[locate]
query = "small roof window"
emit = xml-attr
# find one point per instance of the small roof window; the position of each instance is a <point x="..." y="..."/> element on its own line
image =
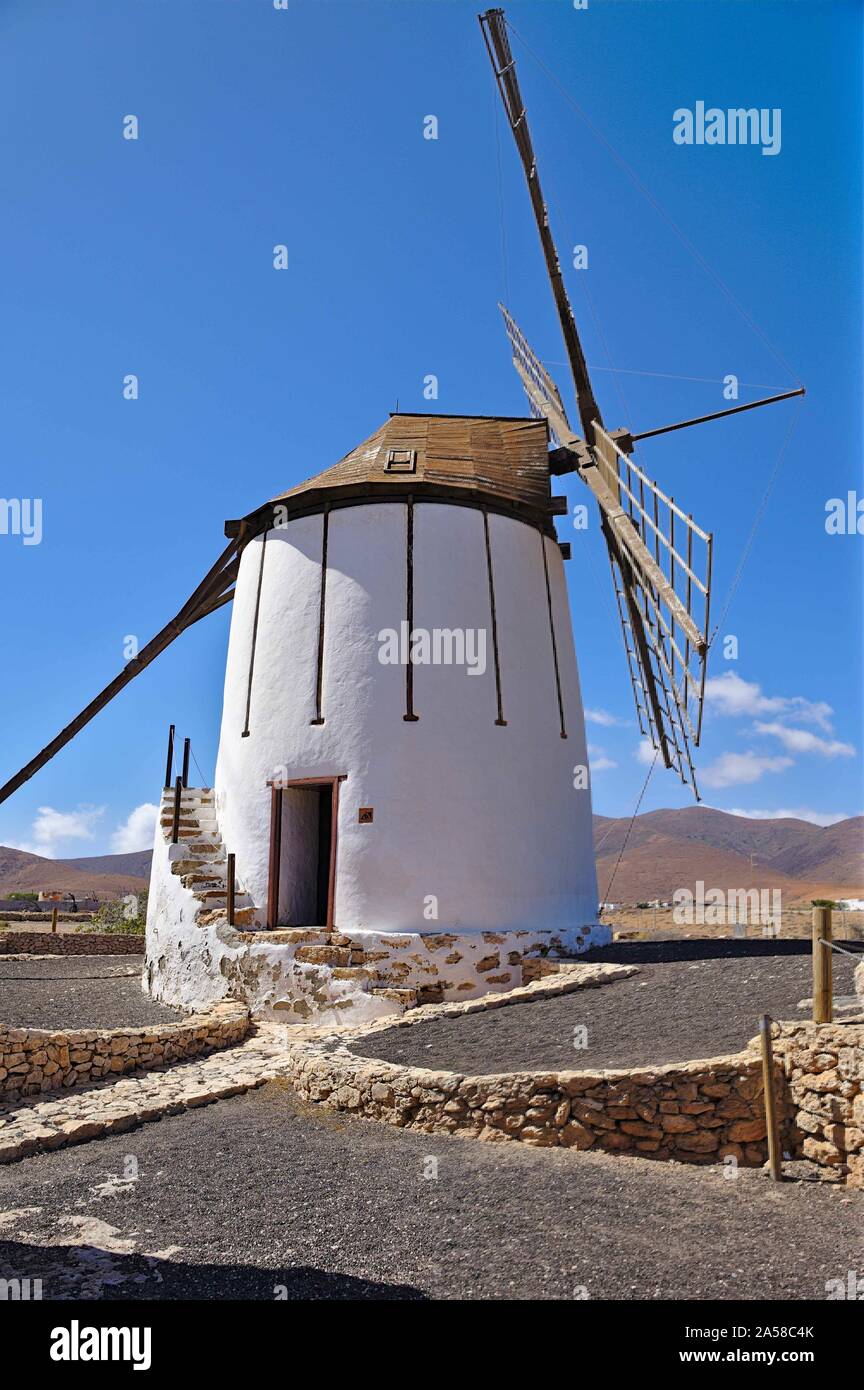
<point x="401" y="461"/>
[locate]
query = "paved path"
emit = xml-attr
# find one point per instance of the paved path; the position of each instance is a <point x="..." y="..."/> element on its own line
<point x="673" y="1011"/>
<point x="77" y="992"/>
<point x="51" y="1120"/>
<point x="261" y="1193"/>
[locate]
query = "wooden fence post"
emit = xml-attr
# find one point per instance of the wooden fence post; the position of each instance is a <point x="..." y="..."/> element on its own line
<point x="823" y="1005"/>
<point x="187" y="744"/>
<point x="770" y="1100"/>
<point x="53" y="919"/>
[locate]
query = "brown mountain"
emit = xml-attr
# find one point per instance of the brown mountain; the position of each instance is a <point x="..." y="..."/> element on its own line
<point x="665" y="850"/>
<point x="673" y="849"/>
<point x="107" y="875"/>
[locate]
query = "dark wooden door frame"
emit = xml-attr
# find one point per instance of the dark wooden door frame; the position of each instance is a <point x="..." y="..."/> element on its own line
<point x="276" y="790"/>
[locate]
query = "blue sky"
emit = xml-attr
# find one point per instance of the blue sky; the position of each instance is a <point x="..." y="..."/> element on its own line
<point x="305" y="127"/>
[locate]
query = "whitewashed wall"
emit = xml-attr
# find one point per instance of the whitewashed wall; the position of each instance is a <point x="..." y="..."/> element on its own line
<point x="486" y="819"/>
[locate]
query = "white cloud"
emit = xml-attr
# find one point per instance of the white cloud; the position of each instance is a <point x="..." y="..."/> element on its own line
<point x="602" y="716"/>
<point x="599" y="761"/>
<point x="802" y="741"/>
<point x="732" y="769"/>
<point x="795" y="813"/>
<point x="51" y="827"/>
<point x="729" y="694"/>
<point x="645" y="753"/>
<point x="137" y="830"/>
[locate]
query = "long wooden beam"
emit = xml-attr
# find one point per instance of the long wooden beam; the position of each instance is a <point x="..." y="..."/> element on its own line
<point x="718" y="414"/>
<point x="494" y="28"/>
<point x="208" y="596"/>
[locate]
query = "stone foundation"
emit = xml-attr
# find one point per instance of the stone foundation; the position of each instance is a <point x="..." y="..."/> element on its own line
<point x="38" y="1059"/>
<point x="193" y="957"/>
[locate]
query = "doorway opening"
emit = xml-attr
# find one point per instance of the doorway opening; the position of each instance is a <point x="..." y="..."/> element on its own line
<point x="303" y="831"/>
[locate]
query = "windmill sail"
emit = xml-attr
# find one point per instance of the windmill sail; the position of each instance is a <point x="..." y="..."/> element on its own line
<point x="657" y="587"/>
<point x="215" y="589"/>
<point x="661" y="569"/>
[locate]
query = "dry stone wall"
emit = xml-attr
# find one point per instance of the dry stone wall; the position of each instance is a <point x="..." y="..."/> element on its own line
<point x="704" y="1111"/>
<point x="44" y="943"/>
<point x="823" y="1065"/>
<point x="37" y="1059"/>
<point x="697" y="1112"/>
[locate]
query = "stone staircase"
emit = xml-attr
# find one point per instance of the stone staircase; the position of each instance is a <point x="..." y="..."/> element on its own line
<point x="203" y="868"/>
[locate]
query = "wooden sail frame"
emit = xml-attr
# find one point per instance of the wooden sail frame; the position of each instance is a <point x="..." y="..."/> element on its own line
<point x="664" y="597"/>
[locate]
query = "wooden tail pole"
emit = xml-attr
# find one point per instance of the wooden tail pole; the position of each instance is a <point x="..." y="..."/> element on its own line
<point x="169" y="765"/>
<point x="823" y="1002"/>
<point x="53" y="919"/>
<point x="175" y="823"/>
<point x="216" y="589"/>
<point x="770" y="1100"/>
<point x="187" y="745"/>
<point x="231" y="882"/>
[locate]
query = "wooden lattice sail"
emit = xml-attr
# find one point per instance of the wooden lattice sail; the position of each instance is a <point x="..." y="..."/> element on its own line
<point x="661" y="560"/>
<point x="661" y="569"/>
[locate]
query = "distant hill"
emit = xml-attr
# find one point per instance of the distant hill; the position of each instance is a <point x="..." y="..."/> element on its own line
<point x="673" y="849"/>
<point x="666" y="850"/>
<point x="106" y="875"/>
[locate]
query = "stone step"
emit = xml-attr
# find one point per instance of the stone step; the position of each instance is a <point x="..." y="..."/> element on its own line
<point x="323" y="955"/>
<point x="194" y="829"/>
<point x="198" y="882"/>
<point x="217" y="897"/>
<point x="406" y="997"/>
<point x="213" y="868"/>
<point x="243" y="916"/>
<point x="197" y="857"/>
<point x="204" y="847"/>
<point x="353" y="972"/>
<point x="300" y="936"/>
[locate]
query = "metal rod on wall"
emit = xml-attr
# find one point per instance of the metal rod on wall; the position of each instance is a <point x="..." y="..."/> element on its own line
<point x="187" y="745"/>
<point x="230" y="890"/>
<point x="169" y="766"/>
<point x="175" y="822"/>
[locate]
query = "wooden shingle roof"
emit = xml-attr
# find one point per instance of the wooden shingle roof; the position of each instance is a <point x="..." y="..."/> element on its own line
<point x="498" y="461"/>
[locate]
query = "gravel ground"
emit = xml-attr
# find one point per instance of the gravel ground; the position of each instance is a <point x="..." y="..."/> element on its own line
<point x="687" y="1001"/>
<point x="77" y="992"/>
<point x="236" y="1199"/>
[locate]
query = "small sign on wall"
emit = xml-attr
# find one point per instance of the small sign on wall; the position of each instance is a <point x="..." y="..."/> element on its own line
<point x="366" y="815"/>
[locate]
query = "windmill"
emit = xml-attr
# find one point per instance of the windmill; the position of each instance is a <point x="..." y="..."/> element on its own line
<point x="431" y="800"/>
<point x="661" y="561"/>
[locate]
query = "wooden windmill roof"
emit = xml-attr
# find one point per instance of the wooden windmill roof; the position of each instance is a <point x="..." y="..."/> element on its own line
<point x="499" y="461"/>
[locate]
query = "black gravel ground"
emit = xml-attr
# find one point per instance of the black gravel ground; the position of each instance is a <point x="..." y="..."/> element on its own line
<point x="77" y="992"/>
<point x="237" y="1199"/>
<point x="689" y="1000"/>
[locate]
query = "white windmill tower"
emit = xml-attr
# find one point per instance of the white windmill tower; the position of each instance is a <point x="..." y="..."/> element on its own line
<point x="401" y="726"/>
<point x="400" y="809"/>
